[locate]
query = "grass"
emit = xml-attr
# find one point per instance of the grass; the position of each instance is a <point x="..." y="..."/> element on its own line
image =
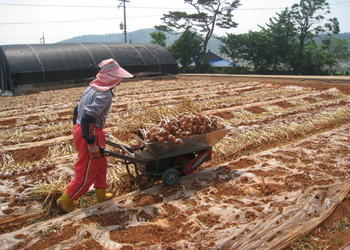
<point x="301" y="244"/>
<point x="48" y="231"/>
<point x="341" y="225"/>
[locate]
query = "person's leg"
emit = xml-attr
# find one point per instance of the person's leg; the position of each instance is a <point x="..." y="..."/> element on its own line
<point x="65" y="201"/>
<point x="86" y="168"/>
<point x="100" y="183"/>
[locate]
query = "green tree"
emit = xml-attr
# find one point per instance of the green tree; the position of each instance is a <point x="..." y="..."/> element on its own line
<point x="251" y="47"/>
<point x="209" y="14"/>
<point x="280" y="32"/>
<point x="187" y="49"/>
<point x="313" y="60"/>
<point x="230" y="46"/>
<point x="254" y="50"/>
<point x="265" y="49"/>
<point x="334" y="50"/>
<point x="309" y="19"/>
<point x="158" y="37"/>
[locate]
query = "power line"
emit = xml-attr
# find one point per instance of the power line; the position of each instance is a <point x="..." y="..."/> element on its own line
<point x="85" y="6"/>
<point x="90" y="21"/>
<point x="140" y="7"/>
<point x="69" y="21"/>
<point x="52" y="5"/>
<point x="75" y="21"/>
<point x="131" y="7"/>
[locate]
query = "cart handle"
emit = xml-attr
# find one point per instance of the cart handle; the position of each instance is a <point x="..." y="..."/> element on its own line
<point x="116" y="145"/>
<point x="105" y="153"/>
<point x="102" y="153"/>
<point x="125" y="150"/>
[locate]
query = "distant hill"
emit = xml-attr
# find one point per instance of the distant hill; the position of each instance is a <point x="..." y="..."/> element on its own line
<point x="345" y="36"/>
<point x="138" y="36"/>
<point x="143" y="36"/>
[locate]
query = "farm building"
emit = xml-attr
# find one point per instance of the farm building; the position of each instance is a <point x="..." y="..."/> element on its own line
<point x="31" y="68"/>
<point x="216" y="60"/>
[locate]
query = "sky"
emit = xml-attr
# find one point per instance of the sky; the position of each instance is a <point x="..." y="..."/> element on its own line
<point x="51" y="21"/>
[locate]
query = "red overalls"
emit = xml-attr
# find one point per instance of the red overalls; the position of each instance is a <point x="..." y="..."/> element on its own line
<point x="88" y="169"/>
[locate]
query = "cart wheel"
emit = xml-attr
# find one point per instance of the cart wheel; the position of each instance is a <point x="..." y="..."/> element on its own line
<point x="144" y="181"/>
<point x="170" y="177"/>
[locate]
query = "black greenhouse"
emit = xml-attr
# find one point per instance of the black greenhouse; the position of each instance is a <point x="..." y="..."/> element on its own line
<point x="31" y="68"/>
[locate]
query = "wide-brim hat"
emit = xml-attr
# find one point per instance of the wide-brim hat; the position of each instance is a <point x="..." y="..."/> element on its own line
<point x="109" y="75"/>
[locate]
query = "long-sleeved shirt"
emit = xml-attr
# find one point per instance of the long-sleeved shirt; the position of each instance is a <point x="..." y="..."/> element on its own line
<point x="95" y="103"/>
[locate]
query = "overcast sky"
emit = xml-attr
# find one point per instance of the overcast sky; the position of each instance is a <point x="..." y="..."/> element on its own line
<point x="26" y="21"/>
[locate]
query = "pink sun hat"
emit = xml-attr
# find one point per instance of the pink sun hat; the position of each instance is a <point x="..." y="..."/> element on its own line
<point x="109" y="76"/>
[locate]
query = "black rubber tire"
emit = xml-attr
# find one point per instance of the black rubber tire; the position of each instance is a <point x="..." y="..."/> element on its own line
<point x="170" y="177"/>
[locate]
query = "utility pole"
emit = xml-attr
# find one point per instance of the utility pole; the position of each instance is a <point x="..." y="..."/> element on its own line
<point x="124" y="26"/>
<point x="42" y="40"/>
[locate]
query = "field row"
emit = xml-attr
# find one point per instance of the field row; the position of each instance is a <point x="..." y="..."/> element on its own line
<point x="304" y="129"/>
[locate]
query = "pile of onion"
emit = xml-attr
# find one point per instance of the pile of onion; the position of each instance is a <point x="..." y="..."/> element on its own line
<point x="181" y="127"/>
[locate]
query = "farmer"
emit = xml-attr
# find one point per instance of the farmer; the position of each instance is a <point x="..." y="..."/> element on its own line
<point x="91" y="114"/>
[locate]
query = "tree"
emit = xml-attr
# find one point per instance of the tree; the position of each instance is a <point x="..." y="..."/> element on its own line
<point x="334" y="49"/>
<point x="280" y="32"/>
<point x="313" y="63"/>
<point x="209" y="14"/>
<point x="265" y="49"/>
<point x="231" y="47"/>
<point x="252" y="47"/>
<point x="308" y="17"/>
<point x="254" y="50"/>
<point x="187" y="49"/>
<point x="158" y="37"/>
<point x="289" y="40"/>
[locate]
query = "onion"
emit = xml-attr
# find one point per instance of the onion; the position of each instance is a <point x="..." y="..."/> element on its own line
<point x="159" y="138"/>
<point x="179" y="142"/>
<point x="172" y="130"/>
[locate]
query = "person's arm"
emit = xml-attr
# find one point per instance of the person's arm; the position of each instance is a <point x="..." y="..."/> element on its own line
<point x="88" y="124"/>
<point x="102" y="102"/>
<point x="75" y="114"/>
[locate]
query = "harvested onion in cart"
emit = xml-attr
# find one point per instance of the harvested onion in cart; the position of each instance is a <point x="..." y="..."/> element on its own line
<point x="184" y="126"/>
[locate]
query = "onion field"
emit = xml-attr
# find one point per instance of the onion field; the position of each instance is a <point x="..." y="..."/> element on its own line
<point x="279" y="173"/>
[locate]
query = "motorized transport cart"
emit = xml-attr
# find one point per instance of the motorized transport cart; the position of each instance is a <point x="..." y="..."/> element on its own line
<point x="166" y="161"/>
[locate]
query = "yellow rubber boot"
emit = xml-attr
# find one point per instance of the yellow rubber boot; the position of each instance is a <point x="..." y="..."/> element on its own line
<point x="102" y="196"/>
<point x="66" y="203"/>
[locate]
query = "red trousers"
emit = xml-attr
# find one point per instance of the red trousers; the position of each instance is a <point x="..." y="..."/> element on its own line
<point x="88" y="169"/>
